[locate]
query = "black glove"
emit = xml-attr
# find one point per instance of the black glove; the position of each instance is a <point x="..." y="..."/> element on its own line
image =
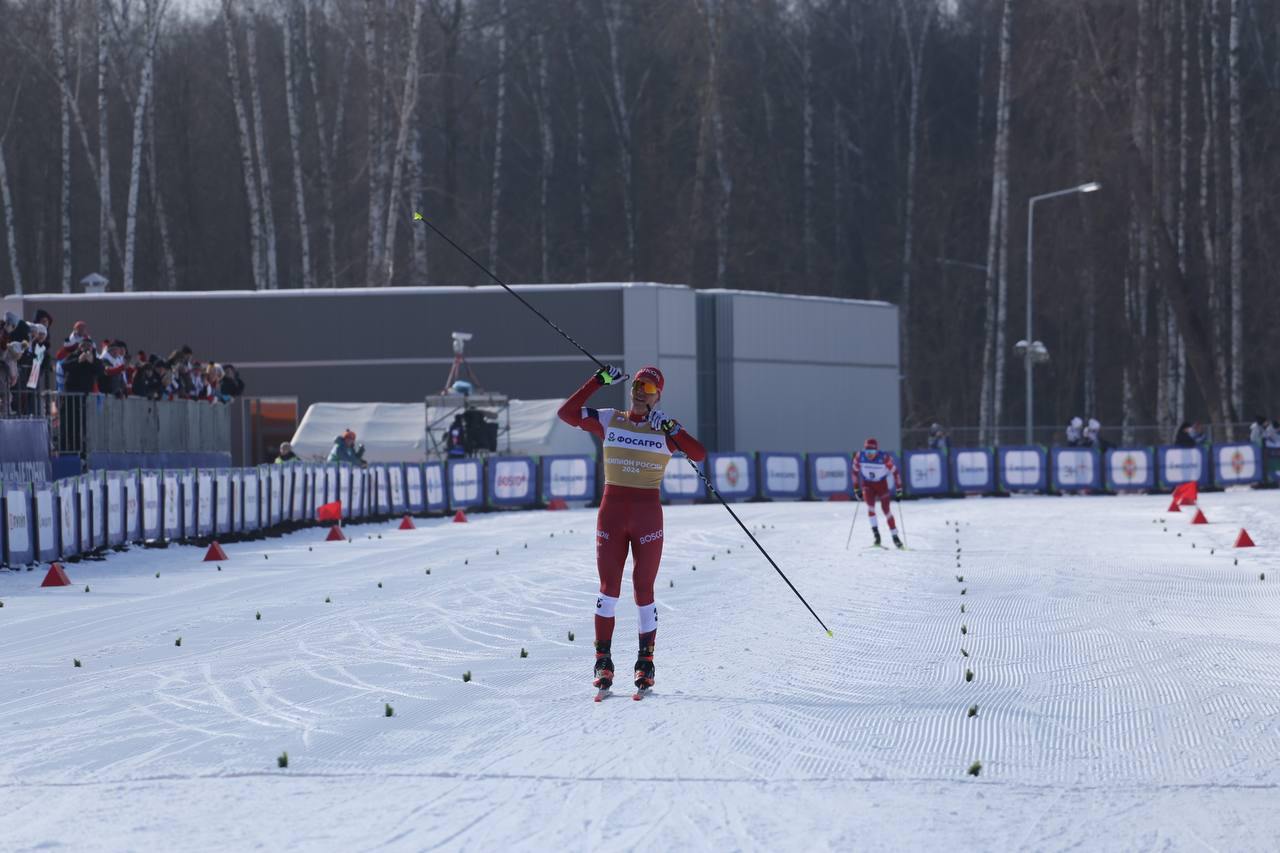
<point x="609" y="374"/>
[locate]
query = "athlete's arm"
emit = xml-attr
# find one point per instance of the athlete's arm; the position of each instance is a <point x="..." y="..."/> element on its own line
<point x="575" y="413"/>
<point x="687" y="444"/>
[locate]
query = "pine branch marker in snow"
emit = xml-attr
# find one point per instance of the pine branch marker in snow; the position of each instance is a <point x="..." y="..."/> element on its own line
<point x="524" y="653"/>
<point x="178" y="642"/>
<point x="75" y="662"/>
<point x="964" y="629"/>
<point x="964" y="652"/>
<point x="258" y="615"/>
<point x="968" y="675"/>
<point x="975" y="768"/>
<point x="973" y="710"/>
<point x="466" y="676"/>
<point x="571" y="636"/>
<point x="283" y="760"/>
<point x="390" y="712"/>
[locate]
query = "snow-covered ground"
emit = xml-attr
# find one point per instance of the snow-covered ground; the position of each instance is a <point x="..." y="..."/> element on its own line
<point x="1127" y="687"/>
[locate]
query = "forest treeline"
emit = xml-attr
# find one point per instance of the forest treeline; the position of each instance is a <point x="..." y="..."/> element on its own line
<point x="877" y="149"/>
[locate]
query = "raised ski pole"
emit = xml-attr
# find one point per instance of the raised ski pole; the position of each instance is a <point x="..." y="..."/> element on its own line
<point x="418" y="217"/>
<point x="852" y="524"/>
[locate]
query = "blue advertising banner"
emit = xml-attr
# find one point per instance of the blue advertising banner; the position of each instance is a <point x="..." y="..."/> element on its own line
<point x="782" y="476"/>
<point x="69" y="516"/>
<point x="1023" y="469"/>
<point x="466" y="484"/>
<point x="570" y="478"/>
<point x="733" y="475"/>
<point x="1236" y="464"/>
<point x="19" y="536"/>
<point x="512" y="481"/>
<point x="830" y="474"/>
<point x="433" y="485"/>
<point x="24" y="452"/>
<point x="973" y="470"/>
<point x="1178" y="465"/>
<point x="1130" y="469"/>
<point x="45" y="510"/>
<point x="1076" y="469"/>
<point x="680" y="482"/>
<point x="926" y="472"/>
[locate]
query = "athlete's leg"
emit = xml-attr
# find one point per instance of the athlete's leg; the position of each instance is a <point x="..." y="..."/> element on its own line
<point x="611" y="556"/>
<point x="888" y="511"/>
<point x="869" y="496"/>
<point x="646" y="550"/>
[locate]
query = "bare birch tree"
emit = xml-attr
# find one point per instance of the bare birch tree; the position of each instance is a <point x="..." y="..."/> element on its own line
<point x="374" y="103"/>
<point x="103" y="10"/>
<point x="915" y="57"/>
<point x="620" y="113"/>
<point x="295" y="143"/>
<point x="808" y="238"/>
<point x="713" y="17"/>
<point x="252" y="193"/>
<point x="1237" y="219"/>
<point x="500" y="115"/>
<point x="580" y="155"/>
<point x="56" y="13"/>
<point x="10" y="229"/>
<point x="325" y="145"/>
<point x="154" y="11"/>
<point x="260" y="147"/>
<point x="408" y="114"/>
<point x="997" y="247"/>
<point x="546" y="152"/>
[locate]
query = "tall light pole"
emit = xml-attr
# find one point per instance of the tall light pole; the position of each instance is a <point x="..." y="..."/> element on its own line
<point x="1032" y="349"/>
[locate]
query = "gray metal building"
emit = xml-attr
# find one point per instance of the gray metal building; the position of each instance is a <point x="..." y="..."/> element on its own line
<point x="753" y="371"/>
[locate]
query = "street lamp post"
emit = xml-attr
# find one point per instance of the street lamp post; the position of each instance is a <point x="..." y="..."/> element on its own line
<point x="1030" y="344"/>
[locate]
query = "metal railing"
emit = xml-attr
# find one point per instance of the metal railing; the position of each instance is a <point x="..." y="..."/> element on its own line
<point x="99" y="423"/>
<point x="1142" y="435"/>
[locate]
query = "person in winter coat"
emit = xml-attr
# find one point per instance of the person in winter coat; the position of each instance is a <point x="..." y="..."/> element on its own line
<point x="1075" y="433"/>
<point x="346" y="451"/>
<point x="938" y="439"/>
<point x="83" y="370"/>
<point x="232" y="385"/>
<point x="286" y="454"/>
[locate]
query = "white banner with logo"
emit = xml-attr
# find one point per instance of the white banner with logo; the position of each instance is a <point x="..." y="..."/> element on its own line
<point x="115" y="509"/>
<point x="69" y="516"/>
<point x="1178" y="465"/>
<point x="433" y="477"/>
<point x="926" y="472"/>
<point x="974" y="470"/>
<point x="46" y="514"/>
<point x="1236" y="464"/>
<point x="830" y="474"/>
<point x="680" y="482"/>
<point x="733" y="475"/>
<point x="465" y="484"/>
<point x="570" y="478"/>
<point x="151" y="506"/>
<point x="413" y="486"/>
<point x="511" y="481"/>
<point x="17" y="511"/>
<point x="133" y="507"/>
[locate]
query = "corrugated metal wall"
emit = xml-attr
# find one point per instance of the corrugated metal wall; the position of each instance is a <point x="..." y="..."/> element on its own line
<point x="798" y="373"/>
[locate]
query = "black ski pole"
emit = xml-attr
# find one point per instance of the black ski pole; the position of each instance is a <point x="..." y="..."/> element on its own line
<point x="418" y="217"/>
<point x="852" y="524"/>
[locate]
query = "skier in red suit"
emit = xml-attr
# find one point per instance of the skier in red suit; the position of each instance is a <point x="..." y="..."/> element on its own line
<point x="638" y="443"/>
<point x="871" y="472"/>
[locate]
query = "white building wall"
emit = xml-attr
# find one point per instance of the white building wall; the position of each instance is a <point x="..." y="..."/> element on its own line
<point x="660" y="328"/>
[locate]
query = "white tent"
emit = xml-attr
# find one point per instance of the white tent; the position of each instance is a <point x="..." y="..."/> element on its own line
<point x="397" y="432"/>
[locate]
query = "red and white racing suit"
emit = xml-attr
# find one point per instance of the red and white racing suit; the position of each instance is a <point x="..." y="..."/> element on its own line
<point x="871" y="472"/>
<point x="630" y="516"/>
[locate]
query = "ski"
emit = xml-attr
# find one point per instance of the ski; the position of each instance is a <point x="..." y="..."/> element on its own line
<point x="641" y="692"/>
<point x="602" y="694"/>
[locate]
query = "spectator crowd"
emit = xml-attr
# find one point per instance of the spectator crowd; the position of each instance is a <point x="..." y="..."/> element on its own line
<point x="83" y="365"/>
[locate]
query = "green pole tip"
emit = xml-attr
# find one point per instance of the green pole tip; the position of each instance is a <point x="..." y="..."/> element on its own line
<point x="417" y="217"/>
<point x="829" y="634"/>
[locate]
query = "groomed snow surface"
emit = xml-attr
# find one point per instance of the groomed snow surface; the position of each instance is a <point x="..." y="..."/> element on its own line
<point x="1127" y="687"/>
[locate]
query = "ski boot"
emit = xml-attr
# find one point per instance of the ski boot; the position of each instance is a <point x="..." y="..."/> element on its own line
<point x="644" y="669"/>
<point x="604" y="669"/>
<point x="896" y="541"/>
<point x="875" y="531"/>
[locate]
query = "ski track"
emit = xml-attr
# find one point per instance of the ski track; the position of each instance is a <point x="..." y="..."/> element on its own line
<point x="1125" y="684"/>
